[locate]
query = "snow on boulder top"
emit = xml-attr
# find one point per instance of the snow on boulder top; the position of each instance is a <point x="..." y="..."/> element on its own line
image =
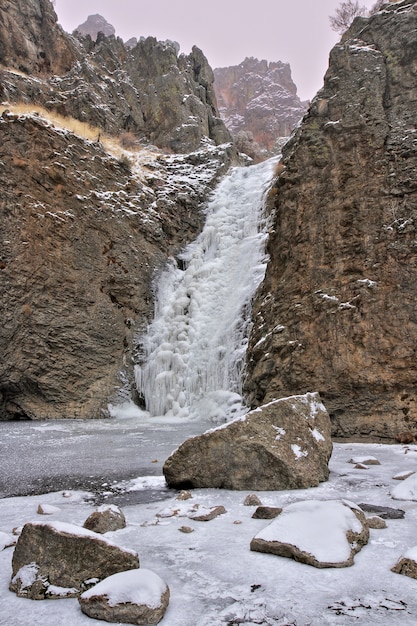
<point x="139" y="586"/>
<point x="316" y="528"/>
<point x="406" y="490"/>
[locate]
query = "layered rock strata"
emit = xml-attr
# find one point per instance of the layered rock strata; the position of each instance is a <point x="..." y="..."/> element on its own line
<point x="337" y="310"/>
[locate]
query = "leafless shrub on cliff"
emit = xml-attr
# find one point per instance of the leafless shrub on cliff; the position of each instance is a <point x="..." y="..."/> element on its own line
<point x="127" y="140"/>
<point x="345" y="14"/>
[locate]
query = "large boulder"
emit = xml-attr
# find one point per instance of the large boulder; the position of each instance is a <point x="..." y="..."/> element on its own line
<point x="135" y="597"/>
<point x="285" y="444"/>
<point x="322" y="534"/>
<point x="57" y="559"/>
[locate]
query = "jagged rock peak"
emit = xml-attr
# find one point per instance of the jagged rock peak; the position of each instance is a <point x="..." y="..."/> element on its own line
<point x="259" y="97"/>
<point x="31" y="41"/>
<point x="94" y="25"/>
<point x="336" y="311"/>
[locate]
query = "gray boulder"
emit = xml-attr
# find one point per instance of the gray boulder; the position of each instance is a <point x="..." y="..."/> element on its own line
<point x="107" y="518"/>
<point x="285" y="444"/>
<point x="322" y="534"/>
<point x="135" y="597"/>
<point x="57" y="559"/>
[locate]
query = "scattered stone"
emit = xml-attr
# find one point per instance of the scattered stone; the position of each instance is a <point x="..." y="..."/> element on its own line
<point x="252" y="500"/>
<point x="63" y="556"/>
<point x="318" y="533"/>
<point x="186" y="529"/>
<point x="107" y="518"/>
<point x="285" y="444"/>
<point x="6" y="541"/>
<point x="266" y="512"/>
<point x="406" y="437"/>
<point x="385" y="512"/>
<point x="208" y="514"/>
<point x="403" y="475"/>
<point x="407" y="564"/>
<point x="135" y="597"/>
<point x="364" y="460"/>
<point x="376" y="522"/>
<point x="47" y="509"/>
<point x="237" y="521"/>
<point x="361" y="466"/>
<point x="184" y="495"/>
<point x="66" y="494"/>
<point x="406" y="489"/>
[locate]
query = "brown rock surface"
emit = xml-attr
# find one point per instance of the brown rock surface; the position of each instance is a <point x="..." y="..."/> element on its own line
<point x="66" y="556"/>
<point x="283" y="445"/>
<point x="336" y="311"/>
<point x="107" y="518"/>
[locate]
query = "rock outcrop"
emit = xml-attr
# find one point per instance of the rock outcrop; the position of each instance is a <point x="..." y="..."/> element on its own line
<point x="336" y="312"/>
<point x="61" y="560"/>
<point x="94" y="25"/>
<point x="283" y="445"/>
<point x="259" y="99"/>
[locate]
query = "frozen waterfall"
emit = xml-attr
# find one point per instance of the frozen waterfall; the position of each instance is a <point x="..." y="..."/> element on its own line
<point x="194" y="350"/>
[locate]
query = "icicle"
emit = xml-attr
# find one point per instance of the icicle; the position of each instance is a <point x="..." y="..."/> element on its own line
<point x="195" y="347"/>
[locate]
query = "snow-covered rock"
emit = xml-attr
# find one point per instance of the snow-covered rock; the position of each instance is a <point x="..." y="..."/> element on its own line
<point x="323" y="534"/>
<point x="135" y="597"/>
<point x="6" y="540"/>
<point x="107" y="518"/>
<point x="47" y="509"/>
<point x="58" y="559"/>
<point x="285" y="444"/>
<point x="407" y="564"/>
<point x="406" y="490"/>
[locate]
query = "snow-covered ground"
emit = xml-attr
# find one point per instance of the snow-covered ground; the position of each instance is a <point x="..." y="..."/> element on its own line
<point x="213" y="576"/>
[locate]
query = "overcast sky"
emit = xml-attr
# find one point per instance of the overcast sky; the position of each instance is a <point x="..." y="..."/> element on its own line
<point x="227" y="31"/>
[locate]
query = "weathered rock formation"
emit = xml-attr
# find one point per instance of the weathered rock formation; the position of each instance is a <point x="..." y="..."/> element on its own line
<point x="94" y="25"/>
<point x="337" y="310"/>
<point x="82" y="233"/>
<point x="149" y="90"/>
<point x="60" y="560"/>
<point x="260" y="99"/>
<point x="283" y="445"/>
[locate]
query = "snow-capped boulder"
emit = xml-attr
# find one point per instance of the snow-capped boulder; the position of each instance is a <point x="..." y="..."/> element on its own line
<point x="107" y="518"/>
<point x="285" y="444"/>
<point x="406" y="489"/>
<point x="135" y="597"/>
<point x="407" y="564"/>
<point x="322" y="534"/>
<point x="57" y="559"/>
<point x="47" y="509"/>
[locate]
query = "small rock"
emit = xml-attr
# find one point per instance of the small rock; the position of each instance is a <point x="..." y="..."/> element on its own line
<point x="406" y="437"/>
<point x="184" y="495"/>
<point x="209" y="514"/>
<point x="237" y="521"/>
<point x="361" y="466"/>
<point x="107" y="518"/>
<point x="364" y="460"/>
<point x="266" y="512"/>
<point x="407" y="564"/>
<point x="47" y="509"/>
<point x="6" y="541"/>
<point x="385" y="512"/>
<point x="376" y="522"/>
<point x="252" y="500"/>
<point x="403" y="475"/>
<point x="135" y="597"/>
<point x="186" y="529"/>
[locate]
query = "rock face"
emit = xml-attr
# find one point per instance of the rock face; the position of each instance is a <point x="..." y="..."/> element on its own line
<point x="283" y="445"/>
<point x="322" y="534"/>
<point x="259" y="98"/>
<point x="136" y="597"/>
<point x="82" y="235"/>
<point x="336" y="311"/>
<point x="31" y="41"/>
<point x="94" y="25"/>
<point x="59" y="560"/>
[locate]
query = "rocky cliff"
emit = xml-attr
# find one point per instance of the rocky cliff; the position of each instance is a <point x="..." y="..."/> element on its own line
<point x="337" y="310"/>
<point x="85" y="224"/>
<point x="259" y="98"/>
<point x="94" y="25"/>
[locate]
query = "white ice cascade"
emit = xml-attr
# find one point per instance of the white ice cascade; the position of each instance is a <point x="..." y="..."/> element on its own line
<point x="194" y="349"/>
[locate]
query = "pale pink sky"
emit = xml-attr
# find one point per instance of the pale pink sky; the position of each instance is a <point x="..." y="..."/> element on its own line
<point x="227" y="31"/>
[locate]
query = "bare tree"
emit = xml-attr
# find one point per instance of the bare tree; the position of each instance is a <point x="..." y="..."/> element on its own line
<point x="377" y="6"/>
<point x="345" y="14"/>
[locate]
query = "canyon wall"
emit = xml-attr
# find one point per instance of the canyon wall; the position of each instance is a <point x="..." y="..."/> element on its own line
<point x="337" y="310"/>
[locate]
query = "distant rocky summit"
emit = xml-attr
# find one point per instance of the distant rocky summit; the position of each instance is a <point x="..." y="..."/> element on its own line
<point x="94" y="25"/>
<point x="258" y="99"/>
<point x="337" y="310"/>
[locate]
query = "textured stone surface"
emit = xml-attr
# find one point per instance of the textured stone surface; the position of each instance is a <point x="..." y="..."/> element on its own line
<point x="283" y="445"/>
<point x="407" y="564"/>
<point x="64" y="556"/>
<point x="137" y="597"/>
<point x="322" y="534"/>
<point x="260" y="98"/>
<point x="106" y="519"/>
<point x="82" y="236"/>
<point x="336" y="311"/>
